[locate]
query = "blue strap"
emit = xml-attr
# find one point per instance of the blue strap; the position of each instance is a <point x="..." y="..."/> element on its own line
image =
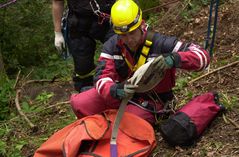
<point x="216" y="2"/>
<point x="64" y="30"/>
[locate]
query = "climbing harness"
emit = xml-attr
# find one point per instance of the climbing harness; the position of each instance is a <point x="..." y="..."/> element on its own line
<point x="3" y="5"/>
<point x="141" y="61"/>
<point x="145" y="49"/>
<point x="96" y="9"/>
<point x="143" y="55"/>
<point x="214" y="3"/>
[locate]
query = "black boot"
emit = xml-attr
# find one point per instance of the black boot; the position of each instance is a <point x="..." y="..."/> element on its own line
<point x="82" y="84"/>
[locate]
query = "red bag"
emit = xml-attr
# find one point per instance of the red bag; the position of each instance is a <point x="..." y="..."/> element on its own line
<point x="90" y="136"/>
<point x="188" y="123"/>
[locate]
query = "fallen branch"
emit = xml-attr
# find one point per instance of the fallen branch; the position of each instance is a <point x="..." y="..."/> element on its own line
<point x="18" y="92"/>
<point x="233" y="123"/>
<point x="57" y="104"/>
<point x="225" y="119"/>
<point x="17" y="79"/>
<point x="209" y="73"/>
<point x="28" y="74"/>
<point x="160" y="6"/>
<point x="39" y="81"/>
<point x="20" y="110"/>
<point x="232" y="90"/>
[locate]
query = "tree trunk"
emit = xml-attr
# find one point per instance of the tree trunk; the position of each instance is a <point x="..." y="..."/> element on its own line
<point x="3" y="74"/>
<point x="2" y="70"/>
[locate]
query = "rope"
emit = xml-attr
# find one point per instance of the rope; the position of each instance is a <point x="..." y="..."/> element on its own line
<point x="7" y="3"/>
<point x="214" y="26"/>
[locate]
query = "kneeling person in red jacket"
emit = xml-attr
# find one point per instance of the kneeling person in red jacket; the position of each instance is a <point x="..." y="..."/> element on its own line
<point x="124" y="53"/>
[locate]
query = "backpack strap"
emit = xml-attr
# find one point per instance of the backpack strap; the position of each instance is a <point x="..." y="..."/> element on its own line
<point x="145" y="50"/>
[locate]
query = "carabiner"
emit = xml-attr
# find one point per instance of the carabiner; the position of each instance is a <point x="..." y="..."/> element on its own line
<point x="95" y="7"/>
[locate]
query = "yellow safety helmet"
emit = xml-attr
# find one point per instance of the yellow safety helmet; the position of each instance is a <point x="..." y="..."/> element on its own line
<point x="126" y="16"/>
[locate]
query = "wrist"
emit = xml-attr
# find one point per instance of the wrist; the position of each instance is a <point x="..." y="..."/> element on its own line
<point x="58" y="34"/>
<point x="120" y="90"/>
<point x="117" y="90"/>
<point x="170" y="61"/>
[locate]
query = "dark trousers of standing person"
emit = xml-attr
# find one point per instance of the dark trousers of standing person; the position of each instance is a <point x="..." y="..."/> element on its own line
<point x="84" y="30"/>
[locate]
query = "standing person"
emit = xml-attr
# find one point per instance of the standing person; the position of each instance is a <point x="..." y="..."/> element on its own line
<point x="123" y="53"/>
<point x="88" y="21"/>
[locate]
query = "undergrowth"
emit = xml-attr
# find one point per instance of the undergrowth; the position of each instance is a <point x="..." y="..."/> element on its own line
<point x="17" y="139"/>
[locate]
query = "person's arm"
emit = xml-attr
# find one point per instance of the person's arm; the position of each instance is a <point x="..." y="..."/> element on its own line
<point x="107" y="80"/>
<point x="182" y="55"/>
<point x="57" y="12"/>
<point x="193" y="57"/>
<point x="106" y="75"/>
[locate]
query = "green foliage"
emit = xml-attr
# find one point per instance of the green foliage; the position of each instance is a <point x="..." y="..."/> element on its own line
<point x="148" y="4"/>
<point x="229" y="102"/>
<point x="15" y="149"/>
<point x="44" y="97"/>
<point x="192" y="7"/>
<point x="2" y="148"/>
<point x="3" y="144"/>
<point x="18" y="146"/>
<point x="181" y="83"/>
<point x="54" y="67"/>
<point x="26" y="31"/>
<point x="144" y="5"/>
<point x="6" y="94"/>
<point x="26" y="43"/>
<point x="27" y="108"/>
<point x="152" y="20"/>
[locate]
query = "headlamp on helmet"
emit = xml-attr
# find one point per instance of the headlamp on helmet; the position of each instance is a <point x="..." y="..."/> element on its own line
<point x="125" y="29"/>
<point x="126" y="16"/>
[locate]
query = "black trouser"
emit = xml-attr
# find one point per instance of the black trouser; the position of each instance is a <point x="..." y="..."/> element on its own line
<point x="84" y="30"/>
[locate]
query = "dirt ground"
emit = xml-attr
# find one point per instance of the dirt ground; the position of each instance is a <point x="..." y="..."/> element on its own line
<point x="222" y="138"/>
